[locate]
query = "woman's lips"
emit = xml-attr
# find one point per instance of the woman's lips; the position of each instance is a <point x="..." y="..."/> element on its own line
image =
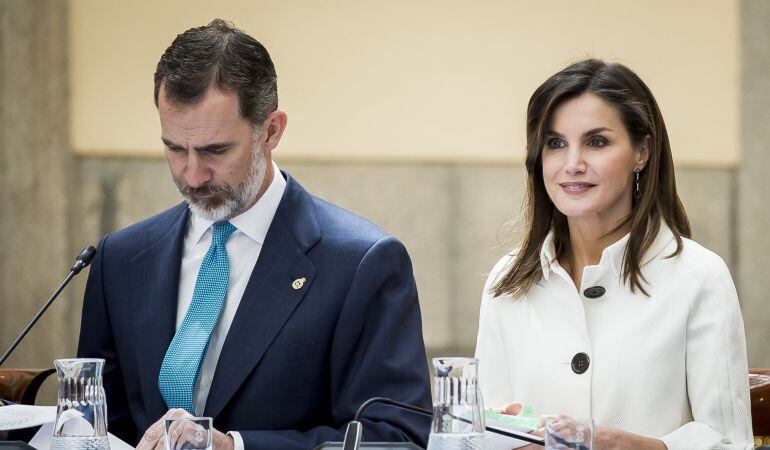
<point x="576" y="188"/>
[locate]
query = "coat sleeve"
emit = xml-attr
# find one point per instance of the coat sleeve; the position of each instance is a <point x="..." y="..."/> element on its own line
<point x="490" y="346"/>
<point x="378" y="351"/>
<point x="96" y="341"/>
<point x="717" y="371"/>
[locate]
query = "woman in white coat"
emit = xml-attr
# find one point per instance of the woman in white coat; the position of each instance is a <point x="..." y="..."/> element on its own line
<point x="607" y="310"/>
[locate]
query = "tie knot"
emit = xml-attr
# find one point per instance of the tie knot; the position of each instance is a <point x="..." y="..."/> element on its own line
<point x="222" y="231"/>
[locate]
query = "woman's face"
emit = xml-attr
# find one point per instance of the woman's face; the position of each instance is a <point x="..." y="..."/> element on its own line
<point x="589" y="160"/>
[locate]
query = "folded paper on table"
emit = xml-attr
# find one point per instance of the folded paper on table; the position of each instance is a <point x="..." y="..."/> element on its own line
<point x="16" y="417"/>
<point x="505" y="422"/>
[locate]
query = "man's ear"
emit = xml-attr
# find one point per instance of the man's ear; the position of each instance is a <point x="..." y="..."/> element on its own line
<point x="643" y="155"/>
<point x="273" y="128"/>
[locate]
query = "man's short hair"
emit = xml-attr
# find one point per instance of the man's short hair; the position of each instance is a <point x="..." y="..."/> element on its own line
<point x="224" y="57"/>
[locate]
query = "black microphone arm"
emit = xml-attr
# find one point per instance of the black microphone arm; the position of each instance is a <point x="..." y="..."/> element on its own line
<point x="508" y="433"/>
<point x="82" y="261"/>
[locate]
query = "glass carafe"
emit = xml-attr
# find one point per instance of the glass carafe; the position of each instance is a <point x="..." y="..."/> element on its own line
<point x="81" y="410"/>
<point x="458" y="411"/>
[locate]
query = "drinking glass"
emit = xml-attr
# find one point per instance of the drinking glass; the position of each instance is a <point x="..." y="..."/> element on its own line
<point x="188" y="433"/>
<point x="458" y="419"/>
<point x="564" y="432"/>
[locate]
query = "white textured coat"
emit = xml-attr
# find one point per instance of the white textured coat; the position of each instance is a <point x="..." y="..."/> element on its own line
<point x="670" y="366"/>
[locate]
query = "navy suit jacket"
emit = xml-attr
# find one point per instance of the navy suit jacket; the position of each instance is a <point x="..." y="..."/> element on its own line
<point x="296" y="363"/>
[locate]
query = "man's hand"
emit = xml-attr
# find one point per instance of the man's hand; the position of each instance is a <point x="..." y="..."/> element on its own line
<point x="222" y="441"/>
<point x="153" y="437"/>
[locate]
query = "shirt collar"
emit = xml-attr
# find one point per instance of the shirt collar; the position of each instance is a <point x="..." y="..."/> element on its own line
<point x="612" y="256"/>
<point x="547" y="255"/>
<point x="255" y="221"/>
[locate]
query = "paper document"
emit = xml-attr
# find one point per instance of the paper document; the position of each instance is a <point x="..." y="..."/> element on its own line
<point x="504" y="422"/>
<point x="14" y="417"/>
<point x="42" y="440"/>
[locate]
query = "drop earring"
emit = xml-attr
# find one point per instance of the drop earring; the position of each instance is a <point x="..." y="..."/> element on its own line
<point x="637" y="185"/>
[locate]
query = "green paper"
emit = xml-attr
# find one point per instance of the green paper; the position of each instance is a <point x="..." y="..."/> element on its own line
<point x="514" y="421"/>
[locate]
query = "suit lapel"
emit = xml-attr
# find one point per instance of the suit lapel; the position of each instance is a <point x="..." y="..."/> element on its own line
<point x="271" y="295"/>
<point x="155" y="272"/>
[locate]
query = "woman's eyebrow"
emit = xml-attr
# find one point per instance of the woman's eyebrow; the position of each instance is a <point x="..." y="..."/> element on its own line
<point x="596" y="131"/>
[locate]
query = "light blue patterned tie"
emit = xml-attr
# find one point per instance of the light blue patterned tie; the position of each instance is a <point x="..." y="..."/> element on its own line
<point x="182" y="363"/>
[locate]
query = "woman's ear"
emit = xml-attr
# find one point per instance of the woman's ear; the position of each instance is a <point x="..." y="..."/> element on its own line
<point x="643" y="154"/>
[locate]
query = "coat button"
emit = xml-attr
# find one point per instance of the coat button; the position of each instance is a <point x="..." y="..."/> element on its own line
<point x="580" y="363"/>
<point x="594" y="292"/>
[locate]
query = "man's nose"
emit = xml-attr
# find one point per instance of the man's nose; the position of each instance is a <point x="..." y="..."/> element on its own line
<point x="197" y="173"/>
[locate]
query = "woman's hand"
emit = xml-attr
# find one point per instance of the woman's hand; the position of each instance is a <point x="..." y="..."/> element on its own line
<point x="512" y="409"/>
<point x="606" y="438"/>
<point x="540" y="432"/>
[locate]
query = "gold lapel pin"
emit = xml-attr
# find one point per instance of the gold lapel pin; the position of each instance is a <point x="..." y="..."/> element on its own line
<point x="298" y="283"/>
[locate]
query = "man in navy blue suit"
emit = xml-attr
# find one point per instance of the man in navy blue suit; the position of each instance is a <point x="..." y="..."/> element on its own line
<point x="253" y="302"/>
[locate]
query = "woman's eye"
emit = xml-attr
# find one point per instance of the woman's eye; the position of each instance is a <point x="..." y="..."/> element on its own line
<point x="556" y="143"/>
<point x="597" y="142"/>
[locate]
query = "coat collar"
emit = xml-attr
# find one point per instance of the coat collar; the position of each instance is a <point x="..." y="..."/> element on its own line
<point x="267" y="303"/>
<point x="271" y="295"/>
<point x="154" y="275"/>
<point x="612" y="256"/>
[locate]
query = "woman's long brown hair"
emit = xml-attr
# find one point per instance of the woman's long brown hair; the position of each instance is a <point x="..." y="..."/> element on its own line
<point x="622" y="89"/>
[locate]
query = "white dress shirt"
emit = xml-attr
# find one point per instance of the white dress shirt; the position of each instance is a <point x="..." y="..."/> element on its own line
<point x="670" y="366"/>
<point x="243" y="248"/>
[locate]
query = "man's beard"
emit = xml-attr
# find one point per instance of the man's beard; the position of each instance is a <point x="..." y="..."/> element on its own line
<point x="227" y="202"/>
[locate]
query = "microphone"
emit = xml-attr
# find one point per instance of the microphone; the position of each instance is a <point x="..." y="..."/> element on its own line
<point x="352" y="439"/>
<point x="82" y="261"/>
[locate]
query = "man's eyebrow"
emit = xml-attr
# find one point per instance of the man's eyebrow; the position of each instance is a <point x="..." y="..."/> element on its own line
<point x="169" y="143"/>
<point x="214" y="147"/>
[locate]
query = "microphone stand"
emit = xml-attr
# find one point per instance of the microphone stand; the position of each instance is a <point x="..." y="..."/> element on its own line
<point x="82" y="261"/>
<point x="357" y="429"/>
